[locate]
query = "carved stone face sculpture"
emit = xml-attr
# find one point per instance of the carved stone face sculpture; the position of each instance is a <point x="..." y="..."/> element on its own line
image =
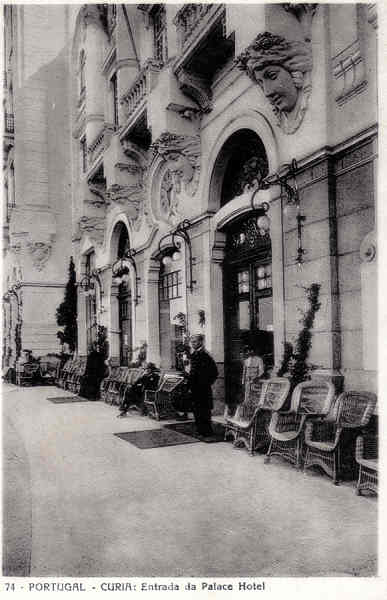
<point x="278" y="86"/>
<point x="282" y="70"/>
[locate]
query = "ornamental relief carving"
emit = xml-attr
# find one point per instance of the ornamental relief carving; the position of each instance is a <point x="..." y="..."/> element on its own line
<point x="131" y="197"/>
<point x="40" y="253"/>
<point x="94" y="227"/>
<point x="282" y="69"/>
<point x="181" y="157"/>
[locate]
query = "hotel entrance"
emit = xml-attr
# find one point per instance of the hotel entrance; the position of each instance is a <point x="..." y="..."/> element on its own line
<point x="248" y="300"/>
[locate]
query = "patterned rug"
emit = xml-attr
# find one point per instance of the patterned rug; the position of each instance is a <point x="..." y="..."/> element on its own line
<point x="155" y="438"/>
<point x="66" y="399"/>
<point x="188" y="428"/>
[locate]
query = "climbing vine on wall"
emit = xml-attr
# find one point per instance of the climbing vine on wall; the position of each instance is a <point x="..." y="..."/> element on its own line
<point x="295" y="360"/>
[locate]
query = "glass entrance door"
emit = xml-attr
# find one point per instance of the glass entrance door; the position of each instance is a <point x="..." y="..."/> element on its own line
<point x="248" y="302"/>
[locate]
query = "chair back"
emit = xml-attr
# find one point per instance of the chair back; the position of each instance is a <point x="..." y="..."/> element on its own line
<point x="274" y="394"/>
<point x="313" y="397"/>
<point x="253" y="399"/>
<point x="169" y="382"/>
<point x="354" y="409"/>
<point x="30" y="369"/>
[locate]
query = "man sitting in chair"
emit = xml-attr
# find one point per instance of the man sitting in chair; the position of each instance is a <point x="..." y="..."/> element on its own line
<point x="134" y="397"/>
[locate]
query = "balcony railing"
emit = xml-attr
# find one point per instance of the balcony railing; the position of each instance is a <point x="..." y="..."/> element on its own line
<point x="140" y="88"/>
<point x="9" y="123"/>
<point x="190" y="18"/>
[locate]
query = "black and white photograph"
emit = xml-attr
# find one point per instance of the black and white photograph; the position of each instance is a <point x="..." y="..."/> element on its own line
<point x="190" y="326"/>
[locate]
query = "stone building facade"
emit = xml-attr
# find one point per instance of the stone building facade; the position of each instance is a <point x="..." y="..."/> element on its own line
<point x="220" y="158"/>
<point x="36" y="176"/>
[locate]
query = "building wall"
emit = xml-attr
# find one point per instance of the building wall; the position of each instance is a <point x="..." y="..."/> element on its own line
<point x="127" y="165"/>
<point x="335" y="151"/>
<point x="40" y="223"/>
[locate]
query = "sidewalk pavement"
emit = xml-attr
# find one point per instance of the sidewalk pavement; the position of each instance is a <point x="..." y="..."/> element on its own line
<point x="95" y="505"/>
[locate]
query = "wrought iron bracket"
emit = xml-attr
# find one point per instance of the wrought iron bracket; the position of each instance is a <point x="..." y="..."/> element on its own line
<point x="289" y="194"/>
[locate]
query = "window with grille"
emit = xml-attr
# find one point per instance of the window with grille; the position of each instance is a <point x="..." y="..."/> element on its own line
<point x="170" y="285"/>
<point x="83" y="146"/>
<point x="160" y="33"/>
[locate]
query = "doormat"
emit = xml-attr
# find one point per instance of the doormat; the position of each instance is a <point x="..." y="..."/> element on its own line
<point x="188" y="428"/>
<point x="66" y="399"/>
<point x="155" y="438"/>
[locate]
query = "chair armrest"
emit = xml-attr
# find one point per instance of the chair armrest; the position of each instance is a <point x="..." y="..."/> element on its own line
<point x="150" y="394"/>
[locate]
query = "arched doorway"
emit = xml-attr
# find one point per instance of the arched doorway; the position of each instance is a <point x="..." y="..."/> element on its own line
<point x="247" y="265"/>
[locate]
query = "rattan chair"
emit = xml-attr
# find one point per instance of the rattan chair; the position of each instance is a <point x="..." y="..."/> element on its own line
<point x="330" y="441"/>
<point x="241" y="425"/>
<point x="249" y="424"/>
<point x="367" y="458"/>
<point x="310" y="399"/>
<point x="27" y="374"/>
<point x="160" y="403"/>
<point x="105" y="383"/>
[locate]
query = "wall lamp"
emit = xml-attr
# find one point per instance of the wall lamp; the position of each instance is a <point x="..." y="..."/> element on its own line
<point x="88" y="288"/>
<point x="171" y="252"/>
<point x="121" y="269"/>
<point x="263" y="221"/>
<point x="290" y="199"/>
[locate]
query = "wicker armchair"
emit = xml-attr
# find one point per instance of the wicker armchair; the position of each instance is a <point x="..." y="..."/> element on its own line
<point x="330" y="441"/>
<point x="250" y="423"/>
<point x="367" y="459"/>
<point x="27" y="374"/>
<point x="105" y="383"/>
<point x="160" y="403"/>
<point x="241" y="425"/>
<point x="310" y="399"/>
<point x="113" y="392"/>
<point x="132" y="376"/>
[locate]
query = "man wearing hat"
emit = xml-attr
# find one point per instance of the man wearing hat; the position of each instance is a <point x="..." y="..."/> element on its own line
<point x="202" y="376"/>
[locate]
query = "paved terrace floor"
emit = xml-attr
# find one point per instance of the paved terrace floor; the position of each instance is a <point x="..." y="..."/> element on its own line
<point x="79" y="501"/>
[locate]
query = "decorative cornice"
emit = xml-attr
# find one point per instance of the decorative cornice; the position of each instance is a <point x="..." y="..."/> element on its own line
<point x="196" y="88"/>
<point x="99" y="193"/>
<point x="94" y="227"/>
<point x="129" y="196"/>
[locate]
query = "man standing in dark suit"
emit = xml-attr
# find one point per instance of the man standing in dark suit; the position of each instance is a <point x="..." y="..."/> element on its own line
<point x="202" y="375"/>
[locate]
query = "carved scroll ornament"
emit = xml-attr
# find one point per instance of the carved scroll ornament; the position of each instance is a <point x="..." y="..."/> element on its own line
<point x="282" y="69"/>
